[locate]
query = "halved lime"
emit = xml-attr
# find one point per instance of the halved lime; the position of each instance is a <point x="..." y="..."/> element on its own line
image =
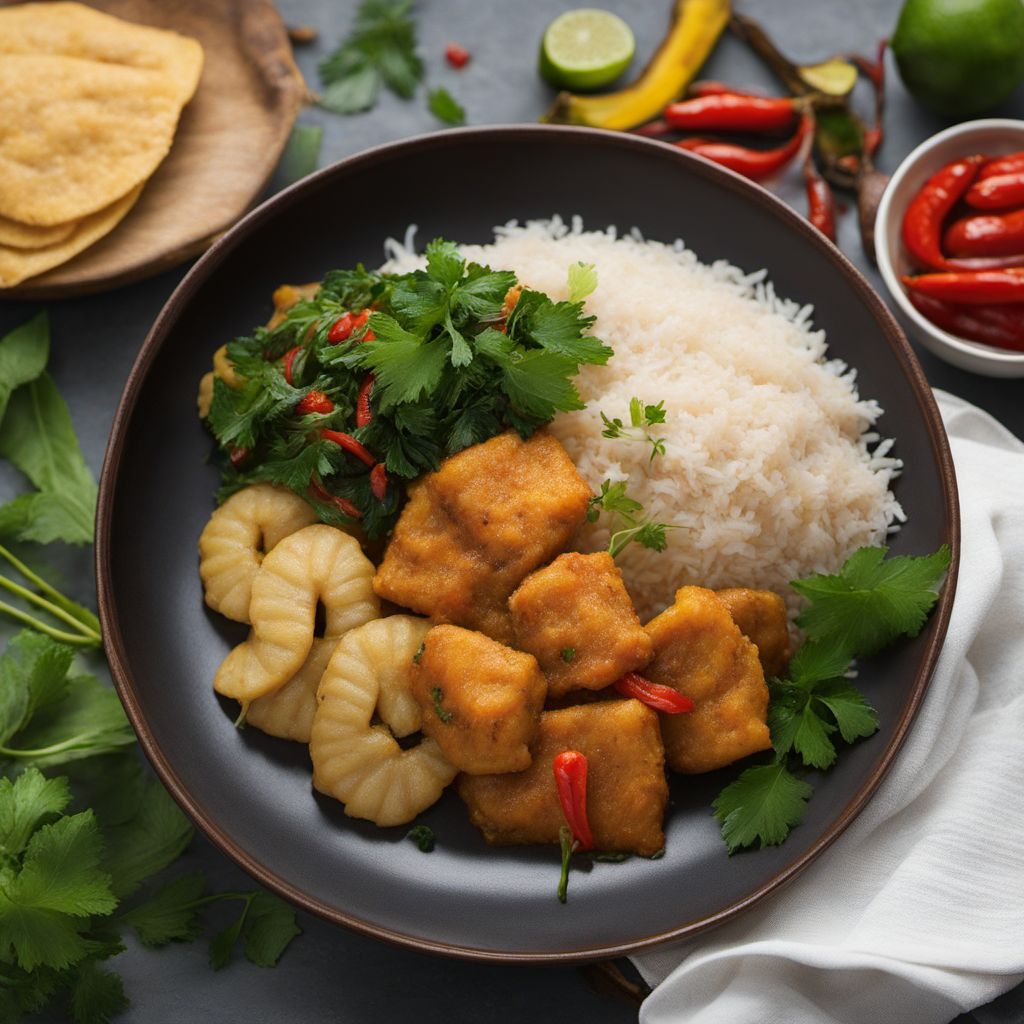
<point x="585" y="49"/>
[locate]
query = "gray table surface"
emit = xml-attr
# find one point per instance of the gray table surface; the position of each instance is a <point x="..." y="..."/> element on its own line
<point x="330" y="974"/>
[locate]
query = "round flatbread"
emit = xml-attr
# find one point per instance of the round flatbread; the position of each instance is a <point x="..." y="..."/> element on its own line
<point x="31" y="236"/>
<point x="18" y="264"/>
<point x="77" y="135"/>
<point x="74" y="30"/>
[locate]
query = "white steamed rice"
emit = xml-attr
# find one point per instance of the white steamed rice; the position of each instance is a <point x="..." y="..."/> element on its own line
<point x="772" y="470"/>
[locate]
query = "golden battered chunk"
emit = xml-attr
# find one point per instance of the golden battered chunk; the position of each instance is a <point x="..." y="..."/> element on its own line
<point x="626" y="788"/>
<point x="576" y="618"/>
<point x="481" y="701"/>
<point x="761" y="616"/>
<point x="700" y="651"/>
<point x="287" y="296"/>
<point x="472" y="531"/>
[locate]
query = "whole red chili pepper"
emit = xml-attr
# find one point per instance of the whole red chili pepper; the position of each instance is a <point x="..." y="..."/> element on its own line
<point x="314" y="401"/>
<point x="752" y="163"/>
<point x="343" y="505"/>
<point x="654" y="129"/>
<point x="341" y="328"/>
<point x="379" y="481"/>
<point x="288" y="361"/>
<point x="922" y="223"/>
<point x="972" y="287"/>
<point x="1009" y="163"/>
<point x="707" y="87"/>
<point x="350" y="444"/>
<point x="821" y="203"/>
<point x="457" y="56"/>
<point x="996" y="192"/>
<point x="986" y="234"/>
<point x="570" y="768"/>
<point x="655" y="695"/>
<point x="730" y="111"/>
<point x="364" y="414"/>
<point x="998" y="325"/>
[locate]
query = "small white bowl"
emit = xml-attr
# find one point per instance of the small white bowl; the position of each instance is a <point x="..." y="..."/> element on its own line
<point x="991" y="136"/>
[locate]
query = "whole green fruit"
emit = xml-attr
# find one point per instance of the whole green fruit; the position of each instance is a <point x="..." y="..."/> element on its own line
<point x="960" y="57"/>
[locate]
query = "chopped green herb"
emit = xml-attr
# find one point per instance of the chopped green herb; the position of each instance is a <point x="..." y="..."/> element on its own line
<point x="302" y="153"/>
<point x="568" y="653"/>
<point x="609" y="856"/>
<point x="867" y="605"/>
<point x="444" y="378"/>
<point x="444" y="107"/>
<point x="582" y="281"/>
<point x="381" y="49"/>
<point x="567" y="844"/>
<point x="625" y="513"/>
<point x="423" y="836"/>
<point x="640" y="416"/>
<point x="437" y="695"/>
<point x="419" y="654"/>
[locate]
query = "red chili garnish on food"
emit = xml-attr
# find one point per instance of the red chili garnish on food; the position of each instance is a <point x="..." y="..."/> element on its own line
<point x="457" y="56"/>
<point x="341" y="329"/>
<point x="986" y="234"/>
<point x="364" y="414"/>
<point x="998" y="325"/>
<point x="730" y="111"/>
<point x="237" y="455"/>
<point x="971" y="287"/>
<point x="570" y="768"/>
<point x="752" y="163"/>
<point x="1010" y="163"/>
<point x="379" y="481"/>
<point x="997" y="192"/>
<point x="922" y="223"/>
<point x="343" y="505"/>
<point x="821" y="203"/>
<point x="655" y="695"/>
<point x="350" y="444"/>
<point x="314" y="401"/>
<point x="288" y="361"/>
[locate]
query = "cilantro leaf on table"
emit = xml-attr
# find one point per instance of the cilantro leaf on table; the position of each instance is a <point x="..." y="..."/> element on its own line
<point x="270" y="927"/>
<point x="37" y="436"/>
<point x="761" y="806"/>
<point x="381" y="49"/>
<point x="23" y="355"/>
<point x="171" y="914"/>
<point x="97" y="995"/>
<point x="872" y="600"/>
<point x="444" y="107"/>
<point x="24" y="804"/>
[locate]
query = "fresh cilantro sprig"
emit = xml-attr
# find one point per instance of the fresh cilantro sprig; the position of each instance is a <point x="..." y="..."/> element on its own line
<point x="445" y="107"/>
<point x="867" y="605"/>
<point x="380" y="50"/>
<point x="641" y="416"/>
<point x="626" y="514"/>
<point x="452" y="365"/>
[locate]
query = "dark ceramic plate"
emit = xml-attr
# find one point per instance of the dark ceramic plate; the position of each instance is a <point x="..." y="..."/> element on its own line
<point x="251" y="794"/>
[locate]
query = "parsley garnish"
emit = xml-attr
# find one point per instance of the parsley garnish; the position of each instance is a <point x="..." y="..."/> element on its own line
<point x="582" y="281"/>
<point x="423" y="836"/>
<point x="568" y="653"/>
<point x="419" y="653"/>
<point x="868" y="604"/>
<point x="626" y="511"/>
<point x="640" y="416"/>
<point x="444" y="378"/>
<point x="381" y="49"/>
<point x="437" y="695"/>
<point x="444" y="107"/>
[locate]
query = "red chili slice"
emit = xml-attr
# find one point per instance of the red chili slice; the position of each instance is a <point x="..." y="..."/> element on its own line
<point x="314" y="401"/>
<point x="379" y="481"/>
<point x="364" y="414"/>
<point x="341" y="329"/>
<point x="457" y="56"/>
<point x="343" y="505"/>
<point x="350" y="444"/>
<point x="288" y="360"/>
<point x="655" y="695"/>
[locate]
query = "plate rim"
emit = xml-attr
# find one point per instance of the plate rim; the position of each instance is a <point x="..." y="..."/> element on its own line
<point x="153" y="343"/>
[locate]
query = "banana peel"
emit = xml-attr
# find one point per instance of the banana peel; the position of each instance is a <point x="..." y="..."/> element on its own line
<point x="694" y="30"/>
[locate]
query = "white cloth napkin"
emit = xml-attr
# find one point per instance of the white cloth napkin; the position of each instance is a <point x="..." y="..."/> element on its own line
<point x="917" y="912"/>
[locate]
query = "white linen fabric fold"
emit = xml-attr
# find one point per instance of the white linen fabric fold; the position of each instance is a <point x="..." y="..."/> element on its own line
<point x="916" y="913"/>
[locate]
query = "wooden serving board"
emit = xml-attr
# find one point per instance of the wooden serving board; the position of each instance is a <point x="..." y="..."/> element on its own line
<point x="227" y="145"/>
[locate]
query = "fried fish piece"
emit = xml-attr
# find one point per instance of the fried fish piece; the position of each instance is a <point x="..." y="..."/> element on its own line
<point x="761" y="616"/>
<point x="481" y="701"/>
<point x="700" y="651"/>
<point x="576" y="618"/>
<point x="626" y="788"/>
<point x="472" y="531"/>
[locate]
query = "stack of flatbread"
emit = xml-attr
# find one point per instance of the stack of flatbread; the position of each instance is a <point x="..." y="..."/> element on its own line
<point x="88" y="109"/>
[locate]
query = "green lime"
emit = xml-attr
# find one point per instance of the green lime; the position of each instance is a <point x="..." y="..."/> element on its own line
<point x="960" y="57"/>
<point x="586" y="49"/>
